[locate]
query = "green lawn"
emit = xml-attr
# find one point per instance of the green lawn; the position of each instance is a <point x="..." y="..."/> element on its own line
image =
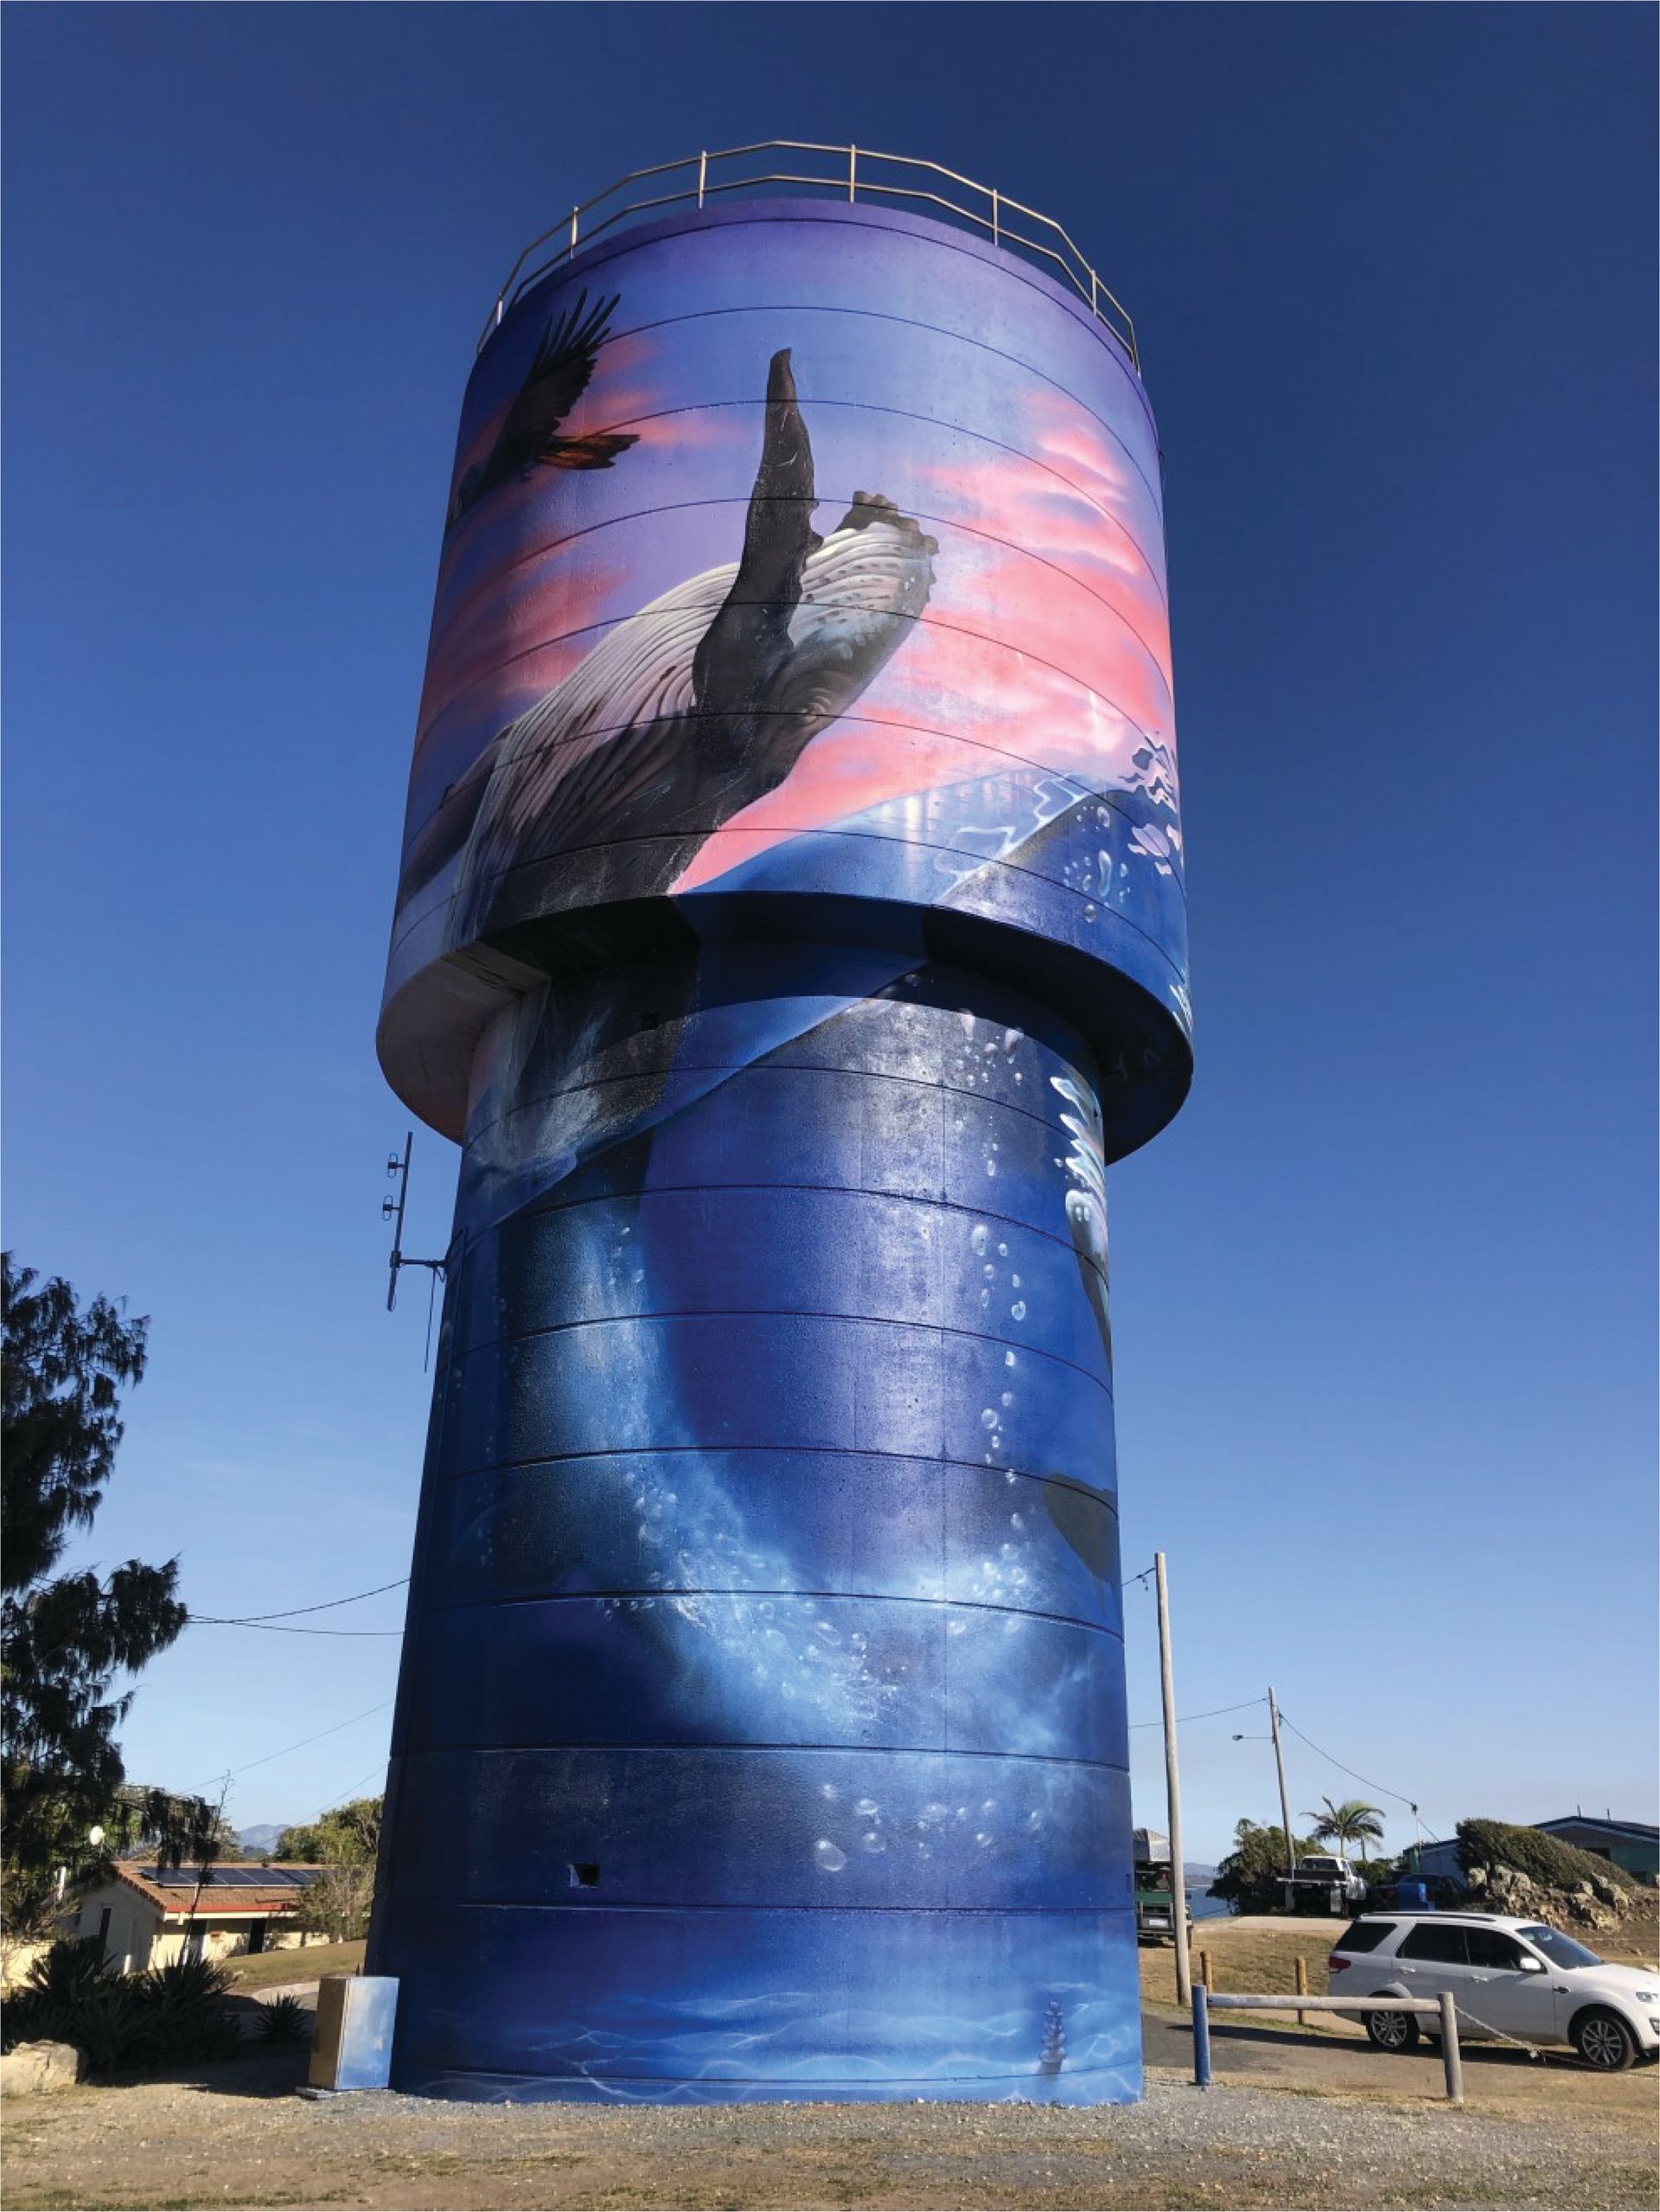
<point x="268" y="1968"/>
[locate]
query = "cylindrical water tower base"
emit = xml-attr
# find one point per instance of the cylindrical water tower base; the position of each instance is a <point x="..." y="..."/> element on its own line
<point x="762" y="1728"/>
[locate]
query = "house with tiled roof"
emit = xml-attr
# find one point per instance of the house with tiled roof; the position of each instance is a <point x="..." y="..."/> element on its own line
<point x="147" y="1916"/>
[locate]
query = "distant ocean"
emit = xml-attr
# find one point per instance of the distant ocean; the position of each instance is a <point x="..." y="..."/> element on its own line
<point x="1201" y="1905"/>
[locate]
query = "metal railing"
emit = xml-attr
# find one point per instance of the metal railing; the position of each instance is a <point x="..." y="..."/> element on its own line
<point x="848" y="173"/>
<point x="1441" y="2008"/>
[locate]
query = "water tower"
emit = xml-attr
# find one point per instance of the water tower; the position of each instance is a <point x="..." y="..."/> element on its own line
<point x="791" y="934"/>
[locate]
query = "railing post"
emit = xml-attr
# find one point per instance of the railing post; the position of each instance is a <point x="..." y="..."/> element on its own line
<point x="1302" y="1986"/>
<point x="575" y="212"/>
<point x="852" y="171"/>
<point x="703" y="172"/>
<point x="1452" y="2059"/>
<point x="1095" y="288"/>
<point x="1201" y="2037"/>
<point x="996" y="235"/>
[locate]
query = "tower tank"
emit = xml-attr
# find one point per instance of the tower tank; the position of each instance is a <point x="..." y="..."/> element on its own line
<point x="791" y="933"/>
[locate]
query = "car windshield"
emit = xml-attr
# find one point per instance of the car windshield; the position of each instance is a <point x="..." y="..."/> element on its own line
<point x="1560" y="1950"/>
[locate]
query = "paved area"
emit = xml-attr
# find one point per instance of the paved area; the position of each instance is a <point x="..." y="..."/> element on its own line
<point x="1294" y="2121"/>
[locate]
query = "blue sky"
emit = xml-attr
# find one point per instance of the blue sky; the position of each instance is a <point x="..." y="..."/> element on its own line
<point x="1384" y="1310"/>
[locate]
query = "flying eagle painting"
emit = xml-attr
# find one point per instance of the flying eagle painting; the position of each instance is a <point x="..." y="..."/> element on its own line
<point x="530" y="437"/>
<point x="697" y="706"/>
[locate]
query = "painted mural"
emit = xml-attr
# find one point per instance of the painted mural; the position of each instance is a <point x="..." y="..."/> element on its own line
<point x="797" y="740"/>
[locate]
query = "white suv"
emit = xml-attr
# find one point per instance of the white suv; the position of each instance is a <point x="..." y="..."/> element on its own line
<point x="1507" y="1977"/>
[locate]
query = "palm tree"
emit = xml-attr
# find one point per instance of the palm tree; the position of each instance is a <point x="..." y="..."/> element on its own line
<point x="1354" y="1821"/>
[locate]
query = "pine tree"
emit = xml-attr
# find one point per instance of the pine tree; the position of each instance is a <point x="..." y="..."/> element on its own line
<point x="67" y="1638"/>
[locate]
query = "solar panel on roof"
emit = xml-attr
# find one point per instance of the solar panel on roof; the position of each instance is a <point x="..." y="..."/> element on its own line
<point x="229" y="1878"/>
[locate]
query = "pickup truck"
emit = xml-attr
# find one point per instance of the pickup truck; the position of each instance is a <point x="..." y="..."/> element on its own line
<point x="1323" y="1884"/>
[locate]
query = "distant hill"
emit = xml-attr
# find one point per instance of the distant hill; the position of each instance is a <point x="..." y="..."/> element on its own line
<point x="263" y="1839"/>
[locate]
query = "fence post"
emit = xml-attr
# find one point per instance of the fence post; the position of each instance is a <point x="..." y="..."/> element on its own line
<point x="1452" y="2061"/>
<point x="1204" y="1970"/>
<point x="1302" y="1987"/>
<point x="703" y="173"/>
<point x="1201" y="2037"/>
<point x="852" y="172"/>
<point x="575" y="212"/>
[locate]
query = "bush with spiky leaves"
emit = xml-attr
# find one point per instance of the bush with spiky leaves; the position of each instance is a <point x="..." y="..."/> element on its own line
<point x="173" y="2016"/>
<point x="284" y="2020"/>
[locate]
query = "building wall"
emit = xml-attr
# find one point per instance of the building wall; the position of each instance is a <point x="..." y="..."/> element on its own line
<point x="139" y="1937"/>
<point x="16" y="1959"/>
<point x="1439" y="1859"/>
<point x="1637" y="1855"/>
<point x="134" y="1924"/>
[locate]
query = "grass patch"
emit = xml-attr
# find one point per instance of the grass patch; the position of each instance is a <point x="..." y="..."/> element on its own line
<point x="1257" y="1961"/>
<point x="269" y="1968"/>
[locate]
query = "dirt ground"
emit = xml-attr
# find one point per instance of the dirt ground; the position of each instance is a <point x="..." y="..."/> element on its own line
<point x="1300" y="2118"/>
<point x="1289" y="2125"/>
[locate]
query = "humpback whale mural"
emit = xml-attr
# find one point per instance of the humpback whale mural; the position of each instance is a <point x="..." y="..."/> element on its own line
<point x="791" y="927"/>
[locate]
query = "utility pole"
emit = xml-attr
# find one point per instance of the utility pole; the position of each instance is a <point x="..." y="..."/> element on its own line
<point x="1174" y="1790"/>
<point x="1280" y="1768"/>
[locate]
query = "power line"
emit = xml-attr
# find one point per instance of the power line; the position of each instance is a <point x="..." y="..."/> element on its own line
<point x="345" y="1798"/>
<point x="1182" y="1719"/>
<point x="255" y="1620"/>
<point x="270" y="1628"/>
<point x="1411" y="1803"/>
<point x="306" y="1740"/>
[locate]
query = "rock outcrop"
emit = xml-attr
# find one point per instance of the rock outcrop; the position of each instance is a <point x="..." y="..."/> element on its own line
<point x="1596" y="1903"/>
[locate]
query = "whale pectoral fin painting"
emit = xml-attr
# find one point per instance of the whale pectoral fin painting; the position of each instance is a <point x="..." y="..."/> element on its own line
<point x="702" y="702"/>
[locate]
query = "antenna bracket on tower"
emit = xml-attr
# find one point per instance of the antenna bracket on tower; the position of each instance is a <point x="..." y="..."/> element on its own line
<point x="391" y="1209"/>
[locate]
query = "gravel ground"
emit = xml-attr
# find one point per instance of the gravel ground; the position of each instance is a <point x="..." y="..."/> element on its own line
<point x="240" y="2137"/>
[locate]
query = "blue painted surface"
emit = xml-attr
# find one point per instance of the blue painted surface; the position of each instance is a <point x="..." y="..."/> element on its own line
<point x="792" y="928"/>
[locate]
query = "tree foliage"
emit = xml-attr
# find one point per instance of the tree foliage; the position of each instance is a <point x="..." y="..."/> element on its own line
<point x="1354" y="1821"/>
<point x="346" y="1835"/>
<point x="337" y="1904"/>
<point x="346" y="1841"/>
<point x="1247" y="1881"/>
<point x="69" y="1638"/>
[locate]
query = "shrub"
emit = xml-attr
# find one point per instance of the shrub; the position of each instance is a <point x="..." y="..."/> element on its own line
<point x="1530" y="1851"/>
<point x="20" y="2020"/>
<point x="58" y="1983"/>
<point x="284" y="2020"/>
<point x="172" y="2016"/>
<point x="110" y="2024"/>
<point x="185" y="2020"/>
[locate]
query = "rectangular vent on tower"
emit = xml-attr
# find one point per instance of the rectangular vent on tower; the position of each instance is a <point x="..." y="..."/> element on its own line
<point x="584" y="1874"/>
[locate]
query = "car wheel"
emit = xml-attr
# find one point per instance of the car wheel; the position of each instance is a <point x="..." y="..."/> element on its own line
<point x="1391" y="2032"/>
<point x="1603" y="2040"/>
